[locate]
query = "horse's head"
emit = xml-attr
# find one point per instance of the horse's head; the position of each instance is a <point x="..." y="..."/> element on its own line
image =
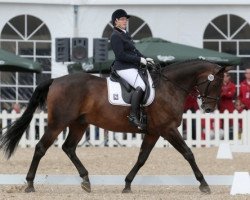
<point x="209" y="86"/>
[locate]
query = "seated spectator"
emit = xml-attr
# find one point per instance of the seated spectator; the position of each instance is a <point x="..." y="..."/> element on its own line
<point x="244" y="95"/>
<point x="228" y="90"/>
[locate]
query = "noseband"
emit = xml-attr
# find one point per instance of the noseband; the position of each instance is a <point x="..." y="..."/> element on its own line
<point x="205" y="97"/>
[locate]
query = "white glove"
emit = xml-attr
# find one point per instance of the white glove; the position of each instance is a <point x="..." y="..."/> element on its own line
<point x="143" y="61"/>
<point x="150" y="60"/>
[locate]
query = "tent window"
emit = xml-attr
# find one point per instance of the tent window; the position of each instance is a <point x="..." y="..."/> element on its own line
<point x="7" y="78"/>
<point x="45" y="63"/>
<point x="18" y="23"/>
<point x="26" y="48"/>
<point x="25" y="78"/>
<point x="229" y="47"/>
<point x="8" y="93"/>
<point x="136" y="27"/>
<point x="211" y="45"/>
<point x="230" y="34"/>
<point x="24" y="93"/>
<point x="29" y="37"/>
<point x="244" y="48"/>
<point x="9" y="33"/>
<point x="9" y="46"/>
<point x="43" y="48"/>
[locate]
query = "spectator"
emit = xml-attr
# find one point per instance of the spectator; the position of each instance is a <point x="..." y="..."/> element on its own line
<point x="244" y="95"/>
<point x="228" y="90"/>
<point x="16" y="107"/>
<point x="239" y="107"/>
<point x="191" y="104"/>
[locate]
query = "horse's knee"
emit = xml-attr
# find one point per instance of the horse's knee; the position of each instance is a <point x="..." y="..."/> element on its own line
<point x="65" y="148"/>
<point x="68" y="150"/>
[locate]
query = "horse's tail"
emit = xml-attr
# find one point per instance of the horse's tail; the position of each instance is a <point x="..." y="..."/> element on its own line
<point x="10" y="139"/>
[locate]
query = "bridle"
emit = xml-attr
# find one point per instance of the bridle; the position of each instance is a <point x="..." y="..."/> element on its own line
<point x="205" y="98"/>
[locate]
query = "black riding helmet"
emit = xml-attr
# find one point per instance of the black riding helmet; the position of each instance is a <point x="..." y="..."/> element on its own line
<point x="118" y="14"/>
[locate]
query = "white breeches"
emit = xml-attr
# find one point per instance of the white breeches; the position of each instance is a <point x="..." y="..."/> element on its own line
<point x="132" y="77"/>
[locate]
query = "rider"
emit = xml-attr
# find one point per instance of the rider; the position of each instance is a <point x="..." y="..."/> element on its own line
<point x="127" y="62"/>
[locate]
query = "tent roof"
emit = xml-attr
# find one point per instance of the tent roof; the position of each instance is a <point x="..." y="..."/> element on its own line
<point x="164" y="52"/>
<point x="12" y="62"/>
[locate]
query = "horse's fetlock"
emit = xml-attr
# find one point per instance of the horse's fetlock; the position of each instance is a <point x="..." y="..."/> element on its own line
<point x="141" y="162"/>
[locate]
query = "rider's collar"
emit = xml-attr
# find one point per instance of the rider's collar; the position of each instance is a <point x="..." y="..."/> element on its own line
<point x="120" y="30"/>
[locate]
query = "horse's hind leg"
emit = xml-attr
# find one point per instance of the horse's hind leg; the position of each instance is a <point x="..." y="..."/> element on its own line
<point x="45" y="142"/>
<point x="76" y="132"/>
<point x="146" y="147"/>
<point x="175" y="139"/>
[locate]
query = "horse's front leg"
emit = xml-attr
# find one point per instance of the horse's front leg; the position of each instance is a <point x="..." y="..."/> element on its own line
<point x="146" y="147"/>
<point x="176" y="140"/>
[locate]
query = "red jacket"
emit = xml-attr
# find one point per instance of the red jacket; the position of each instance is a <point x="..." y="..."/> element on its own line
<point x="191" y="103"/>
<point x="244" y="95"/>
<point x="227" y="97"/>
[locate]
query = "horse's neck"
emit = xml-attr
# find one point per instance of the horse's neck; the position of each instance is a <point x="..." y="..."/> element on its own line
<point x="184" y="77"/>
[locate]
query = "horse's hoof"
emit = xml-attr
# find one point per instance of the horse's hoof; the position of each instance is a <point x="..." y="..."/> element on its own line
<point x="126" y="190"/>
<point x="29" y="189"/>
<point x="86" y="186"/>
<point x="205" y="189"/>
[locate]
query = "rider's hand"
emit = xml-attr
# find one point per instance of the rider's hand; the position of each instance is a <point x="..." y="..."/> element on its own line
<point x="143" y="61"/>
<point x="150" y="60"/>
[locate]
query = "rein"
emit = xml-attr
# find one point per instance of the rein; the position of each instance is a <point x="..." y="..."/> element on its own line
<point x="157" y="70"/>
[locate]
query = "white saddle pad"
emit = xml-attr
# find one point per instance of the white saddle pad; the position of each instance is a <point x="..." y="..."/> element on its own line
<point x="115" y="93"/>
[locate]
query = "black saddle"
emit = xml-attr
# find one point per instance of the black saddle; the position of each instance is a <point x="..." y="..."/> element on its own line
<point x="127" y="90"/>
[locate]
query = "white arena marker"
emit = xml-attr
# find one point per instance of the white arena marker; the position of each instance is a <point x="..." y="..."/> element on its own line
<point x="241" y="183"/>
<point x="240" y="148"/>
<point x="224" y="151"/>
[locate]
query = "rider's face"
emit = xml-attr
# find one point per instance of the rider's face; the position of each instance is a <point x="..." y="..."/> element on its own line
<point x="121" y="23"/>
<point x="247" y="74"/>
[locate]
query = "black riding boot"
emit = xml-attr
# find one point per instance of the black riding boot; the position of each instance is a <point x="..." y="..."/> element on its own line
<point x="134" y="116"/>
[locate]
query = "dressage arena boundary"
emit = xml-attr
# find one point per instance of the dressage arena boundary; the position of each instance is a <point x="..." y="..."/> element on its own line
<point x="235" y="131"/>
<point x="239" y="183"/>
<point x="16" y="179"/>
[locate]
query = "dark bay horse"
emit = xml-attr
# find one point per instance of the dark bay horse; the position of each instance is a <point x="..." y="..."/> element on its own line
<point x="77" y="100"/>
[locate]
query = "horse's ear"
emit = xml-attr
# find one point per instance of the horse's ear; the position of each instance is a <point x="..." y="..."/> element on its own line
<point x="226" y="69"/>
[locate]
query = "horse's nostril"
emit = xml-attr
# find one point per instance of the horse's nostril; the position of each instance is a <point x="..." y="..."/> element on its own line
<point x="208" y="110"/>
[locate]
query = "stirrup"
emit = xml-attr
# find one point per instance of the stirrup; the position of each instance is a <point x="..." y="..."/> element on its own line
<point x="134" y="121"/>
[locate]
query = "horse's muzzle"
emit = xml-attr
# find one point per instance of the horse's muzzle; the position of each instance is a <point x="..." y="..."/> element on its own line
<point x="208" y="110"/>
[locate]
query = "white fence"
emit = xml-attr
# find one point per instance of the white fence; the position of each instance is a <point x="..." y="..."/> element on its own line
<point x="198" y="129"/>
